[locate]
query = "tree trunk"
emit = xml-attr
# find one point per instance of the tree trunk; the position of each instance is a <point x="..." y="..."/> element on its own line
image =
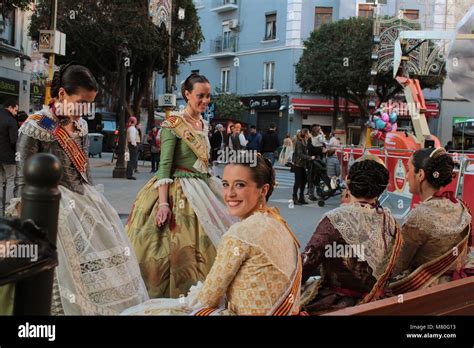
<point x="363" y="112"/>
<point x="130" y="88"/>
<point x="134" y="97"/>
<point x="345" y="116"/>
<point x="335" y="114"/>
<point x="363" y="128"/>
<point x="151" y="105"/>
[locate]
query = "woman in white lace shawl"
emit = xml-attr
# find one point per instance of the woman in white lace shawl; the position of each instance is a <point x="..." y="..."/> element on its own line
<point x="436" y="231"/>
<point x="98" y="273"/>
<point x="257" y="270"/>
<point x="354" y="246"/>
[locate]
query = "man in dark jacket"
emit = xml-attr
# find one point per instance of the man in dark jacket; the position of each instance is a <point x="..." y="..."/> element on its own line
<point x="255" y="140"/>
<point x="217" y="142"/>
<point x="8" y="138"/>
<point x="270" y="143"/>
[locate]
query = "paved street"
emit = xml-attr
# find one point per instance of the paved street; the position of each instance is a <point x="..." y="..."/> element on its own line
<point x="121" y="194"/>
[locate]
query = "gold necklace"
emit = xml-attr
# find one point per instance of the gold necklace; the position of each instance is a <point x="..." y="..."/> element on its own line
<point x="196" y="122"/>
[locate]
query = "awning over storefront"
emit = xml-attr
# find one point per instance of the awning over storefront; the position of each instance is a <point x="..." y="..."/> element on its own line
<point x="321" y="105"/>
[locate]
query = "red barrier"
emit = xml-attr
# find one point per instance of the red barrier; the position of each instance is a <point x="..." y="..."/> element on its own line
<point x="397" y="162"/>
<point x="344" y="157"/>
<point x="468" y="190"/>
<point x="468" y="194"/>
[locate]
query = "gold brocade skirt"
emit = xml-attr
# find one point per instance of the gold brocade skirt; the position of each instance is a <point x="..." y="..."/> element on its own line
<point x="175" y="256"/>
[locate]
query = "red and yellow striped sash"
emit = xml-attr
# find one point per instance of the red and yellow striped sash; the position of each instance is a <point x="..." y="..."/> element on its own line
<point x="427" y="273"/>
<point x="72" y="149"/>
<point x="287" y="304"/>
<point x="205" y="312"/>
<point x="285" y="308"/>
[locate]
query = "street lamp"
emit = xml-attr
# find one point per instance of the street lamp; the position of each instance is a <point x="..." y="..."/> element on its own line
<point x="161" y="12"/>
<point x="120" y="170"/>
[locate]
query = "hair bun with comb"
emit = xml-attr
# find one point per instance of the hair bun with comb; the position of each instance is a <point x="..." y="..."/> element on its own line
<point x="437" y="165"/>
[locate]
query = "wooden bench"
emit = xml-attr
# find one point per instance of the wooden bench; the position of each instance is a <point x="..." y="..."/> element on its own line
<point x="453" y="298"/>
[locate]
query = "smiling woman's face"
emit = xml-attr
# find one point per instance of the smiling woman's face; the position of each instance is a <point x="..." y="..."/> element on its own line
<point x="241" y="194"/>
<point x="200" y="97"/>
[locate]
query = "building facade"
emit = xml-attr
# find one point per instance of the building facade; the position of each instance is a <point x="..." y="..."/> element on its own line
<point x="251" y="49"/>
<point x="15" y="61"/>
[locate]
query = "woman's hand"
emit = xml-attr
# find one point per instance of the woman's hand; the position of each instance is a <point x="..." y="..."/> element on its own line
<point x="162" y="215"/>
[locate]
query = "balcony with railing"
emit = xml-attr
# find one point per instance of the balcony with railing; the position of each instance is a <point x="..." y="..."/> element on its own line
<point x="221" y="6"/>
<point x="224" y="46"/>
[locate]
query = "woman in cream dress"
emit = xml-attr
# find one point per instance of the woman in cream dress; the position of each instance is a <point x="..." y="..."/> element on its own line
<point x="257" y="270"/>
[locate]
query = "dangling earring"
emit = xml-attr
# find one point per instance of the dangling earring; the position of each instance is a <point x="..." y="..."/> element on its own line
<point x="260" y="202"/>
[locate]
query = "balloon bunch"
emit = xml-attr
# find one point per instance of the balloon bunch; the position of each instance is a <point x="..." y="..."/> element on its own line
<point x="382" y="122"/>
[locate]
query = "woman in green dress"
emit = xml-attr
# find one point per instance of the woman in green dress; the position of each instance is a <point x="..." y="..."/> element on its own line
<point x="178" y="218"/>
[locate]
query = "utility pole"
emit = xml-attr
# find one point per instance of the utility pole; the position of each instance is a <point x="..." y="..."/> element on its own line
<point x="120" y="166"/>
<point x="54" y="14"/>
<point x="168" y="75"/>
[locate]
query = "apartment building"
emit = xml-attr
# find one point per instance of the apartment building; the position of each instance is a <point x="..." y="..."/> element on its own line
<point x="251" y="49"/>
<point x="15" y="61"/>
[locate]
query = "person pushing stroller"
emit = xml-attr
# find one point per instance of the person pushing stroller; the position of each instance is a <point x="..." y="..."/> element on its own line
<point x="316" y="148"/>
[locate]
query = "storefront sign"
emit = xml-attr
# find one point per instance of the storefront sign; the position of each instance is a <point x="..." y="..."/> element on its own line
<point x="262" y="103"/>
<point x="460" y="119"/>
<point x="10" y="87"/>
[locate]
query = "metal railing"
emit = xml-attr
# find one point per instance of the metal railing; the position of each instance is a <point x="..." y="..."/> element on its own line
<point x="462" y="160"/>
<point x="220" y="3"/>
<point x="224" y="44"/>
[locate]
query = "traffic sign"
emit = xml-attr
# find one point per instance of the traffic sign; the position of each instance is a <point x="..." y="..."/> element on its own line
<point x="51" y="41"/>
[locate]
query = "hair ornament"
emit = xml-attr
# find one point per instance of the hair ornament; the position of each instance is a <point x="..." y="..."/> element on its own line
<point x="438" y="152"/>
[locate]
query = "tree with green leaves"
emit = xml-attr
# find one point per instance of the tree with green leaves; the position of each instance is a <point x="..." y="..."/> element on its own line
<point x="6" y="6"/>
<point x="337" y="65"/>
<point x="229" y="106"/>
<point x="95" y="30"/>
